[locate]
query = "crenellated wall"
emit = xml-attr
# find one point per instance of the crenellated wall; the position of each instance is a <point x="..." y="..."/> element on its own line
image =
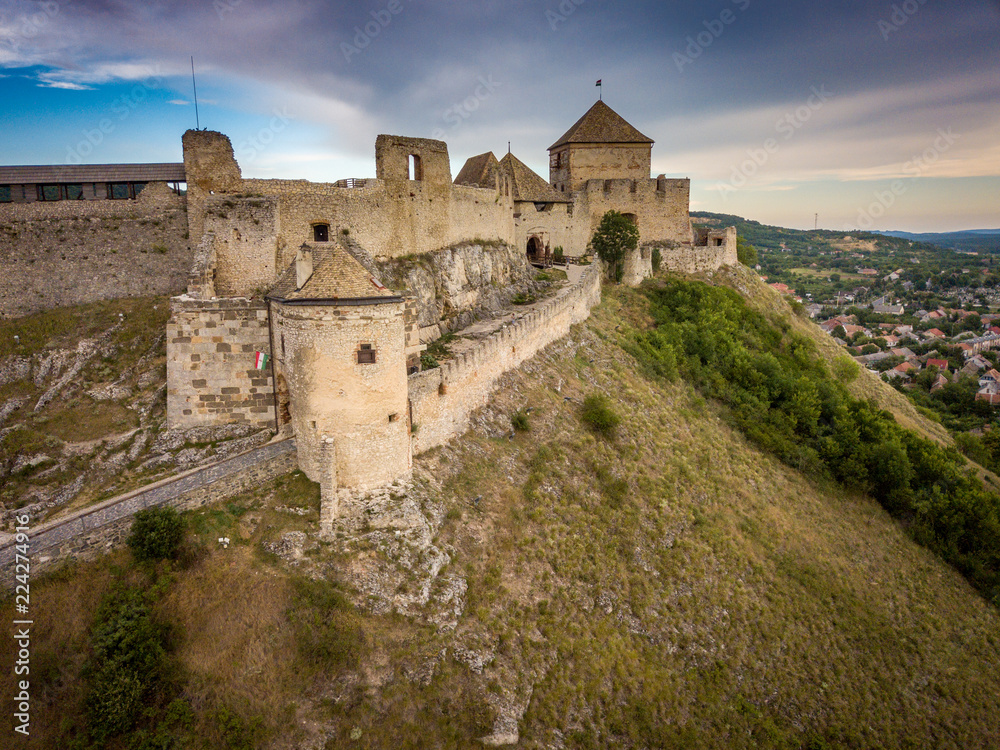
<point x="442" y="399"/>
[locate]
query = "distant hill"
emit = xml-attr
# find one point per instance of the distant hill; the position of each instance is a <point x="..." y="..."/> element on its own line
<point x="975" y="240"/>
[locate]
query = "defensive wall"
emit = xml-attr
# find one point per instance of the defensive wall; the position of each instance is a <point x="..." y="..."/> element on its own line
<point x="658" y="206"/>
<point x="443" y="399"/>
<point x="94" y="530"/>
<point x="211" y="373"/>
<point x="72" y="252"/>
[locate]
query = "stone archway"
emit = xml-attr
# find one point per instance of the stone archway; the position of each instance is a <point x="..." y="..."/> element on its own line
<point x="535" y="250"/>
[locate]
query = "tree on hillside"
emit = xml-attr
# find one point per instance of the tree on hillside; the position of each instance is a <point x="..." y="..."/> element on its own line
<point x="615" y="235"/>
<point x="745" y="252"/>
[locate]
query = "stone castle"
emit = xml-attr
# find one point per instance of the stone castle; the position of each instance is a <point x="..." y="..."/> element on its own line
<point x="314" y="275"/>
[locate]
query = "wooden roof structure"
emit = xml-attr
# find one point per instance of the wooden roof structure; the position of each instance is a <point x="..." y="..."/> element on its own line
<point x="76" y="173"/>
<point x="601" y="124"/>
<point x="337" y="278"/>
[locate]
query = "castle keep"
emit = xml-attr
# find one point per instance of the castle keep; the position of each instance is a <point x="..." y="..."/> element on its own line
<point x="287" y="322"/>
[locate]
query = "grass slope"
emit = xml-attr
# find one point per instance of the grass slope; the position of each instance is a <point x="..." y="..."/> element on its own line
<point x="667" y="586"/>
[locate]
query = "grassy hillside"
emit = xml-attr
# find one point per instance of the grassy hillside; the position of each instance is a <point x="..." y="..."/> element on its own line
<point x="664" y="583"/>
<point x="83" y="408"/>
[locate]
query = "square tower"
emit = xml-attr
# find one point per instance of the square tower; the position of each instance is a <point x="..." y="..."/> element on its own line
<point x="600" y="146"/>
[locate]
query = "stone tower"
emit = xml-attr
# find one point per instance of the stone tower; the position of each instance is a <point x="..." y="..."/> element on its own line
<point x="601" y="145"/>
<point x="339" y="355"/>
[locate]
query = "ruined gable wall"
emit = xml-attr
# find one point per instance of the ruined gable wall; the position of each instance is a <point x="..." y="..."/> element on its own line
<point x="211" y="378"/>
<point x="210" y="168"/>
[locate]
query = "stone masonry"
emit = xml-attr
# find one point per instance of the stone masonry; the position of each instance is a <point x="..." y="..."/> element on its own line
<point x="211" y="377"/>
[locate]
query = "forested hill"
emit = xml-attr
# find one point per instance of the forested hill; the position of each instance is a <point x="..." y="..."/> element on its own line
<point x="765" y="236"/>
<point x="973" y="240"/>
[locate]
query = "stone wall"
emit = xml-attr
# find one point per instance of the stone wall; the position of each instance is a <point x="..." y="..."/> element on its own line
<point x="72" y="252"/>
<point x="93" y="531"/>
<point x="688" y="258"/>
<point x="580" y="162"/>
<point x="389" y="219"/>
<point x="442" y="399"/>
<point x="211" y="378"/>
<point x="245" y="235"/>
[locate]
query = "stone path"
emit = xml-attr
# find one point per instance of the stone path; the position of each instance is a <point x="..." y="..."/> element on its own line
<point x="469" y="337"/>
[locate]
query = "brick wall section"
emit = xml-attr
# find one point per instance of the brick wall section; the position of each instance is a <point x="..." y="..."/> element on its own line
<point x="210" y="363"/>
<point x="92" y="531"/>
<point x="441" y="400"/>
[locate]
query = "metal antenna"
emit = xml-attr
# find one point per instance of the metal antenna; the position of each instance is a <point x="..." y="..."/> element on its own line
<point x="197" y="120"/>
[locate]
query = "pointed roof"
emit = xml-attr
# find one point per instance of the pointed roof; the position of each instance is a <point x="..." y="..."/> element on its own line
<point x="601" y="124"/>
<point x="337" y="276"/>
<point x="527" y="185"/>
<point x="479" y="171"/>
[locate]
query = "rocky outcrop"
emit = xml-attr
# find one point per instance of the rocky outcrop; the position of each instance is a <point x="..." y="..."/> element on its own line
<point x="457" y="284"/>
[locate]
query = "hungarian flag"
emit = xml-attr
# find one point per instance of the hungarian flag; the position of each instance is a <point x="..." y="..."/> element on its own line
<point x="260" y="360"/>
<point x="598" y="82"/>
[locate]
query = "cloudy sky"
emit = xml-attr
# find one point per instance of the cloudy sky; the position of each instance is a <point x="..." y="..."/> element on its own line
<point x="871" y="114"/>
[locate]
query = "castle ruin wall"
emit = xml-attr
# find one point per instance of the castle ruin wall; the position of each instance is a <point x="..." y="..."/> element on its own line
<point x="211" y="373"/>
<point x="73" y="252"/>
<point x="443" y="399"/>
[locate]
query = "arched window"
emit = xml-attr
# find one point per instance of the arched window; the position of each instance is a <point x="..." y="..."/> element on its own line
<point x="321" y="232"/>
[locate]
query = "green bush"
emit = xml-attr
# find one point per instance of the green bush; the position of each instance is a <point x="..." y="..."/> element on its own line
<point x="156" y="534"/>
<point x="126" y="666"/>
<point x="657" y="259"/>
<point x="519" y="421"/>
<point x="598" y="415"/>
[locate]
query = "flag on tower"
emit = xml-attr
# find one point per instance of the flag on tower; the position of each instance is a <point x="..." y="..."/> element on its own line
<point x="260" y="361"/>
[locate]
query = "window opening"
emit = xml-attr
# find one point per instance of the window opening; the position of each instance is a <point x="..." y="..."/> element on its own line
<point x="414" y="168"/>
<point x="366" y="355"/>
<point x="5" y="194"/>
<point x="321" y="232"/>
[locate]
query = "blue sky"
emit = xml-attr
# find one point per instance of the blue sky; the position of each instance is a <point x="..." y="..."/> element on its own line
<point x="870" y="114"/>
